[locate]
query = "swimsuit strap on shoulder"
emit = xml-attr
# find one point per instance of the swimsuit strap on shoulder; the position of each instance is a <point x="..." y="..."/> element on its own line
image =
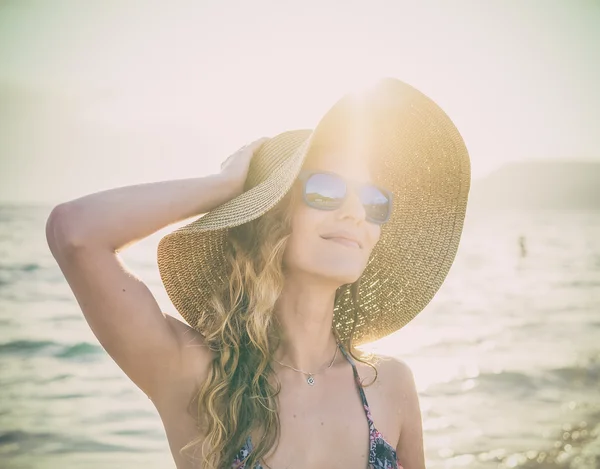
<point x="357" y="381"/>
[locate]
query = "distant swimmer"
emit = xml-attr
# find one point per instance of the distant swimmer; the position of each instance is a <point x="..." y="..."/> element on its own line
<point x="522" y="246"/>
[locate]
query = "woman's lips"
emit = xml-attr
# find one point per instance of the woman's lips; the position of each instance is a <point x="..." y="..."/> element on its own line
<point x="345" y="242"/>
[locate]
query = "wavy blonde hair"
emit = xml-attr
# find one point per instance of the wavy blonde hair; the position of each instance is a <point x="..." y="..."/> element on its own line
<point x="238" y="396"/>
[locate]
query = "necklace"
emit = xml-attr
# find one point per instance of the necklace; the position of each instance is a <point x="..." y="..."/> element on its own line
<point x="311" y="380"/>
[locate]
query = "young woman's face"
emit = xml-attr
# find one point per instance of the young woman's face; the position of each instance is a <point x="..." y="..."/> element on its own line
<point x="308" y="250"/>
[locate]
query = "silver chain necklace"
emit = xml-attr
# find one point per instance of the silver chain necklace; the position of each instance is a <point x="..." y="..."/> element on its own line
<point x="311" y="380"/>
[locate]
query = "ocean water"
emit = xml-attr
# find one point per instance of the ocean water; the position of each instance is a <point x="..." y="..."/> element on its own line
<point x="506" y="357"/>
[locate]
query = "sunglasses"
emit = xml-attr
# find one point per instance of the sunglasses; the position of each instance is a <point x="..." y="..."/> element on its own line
<point x="325" y="190"/>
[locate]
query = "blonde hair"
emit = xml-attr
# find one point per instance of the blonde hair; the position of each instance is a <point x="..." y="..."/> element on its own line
<point x="237" y="397"/>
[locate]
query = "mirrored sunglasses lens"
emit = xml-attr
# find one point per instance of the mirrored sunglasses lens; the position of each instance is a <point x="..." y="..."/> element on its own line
<point x="377" y="204"/>
<point x="325" y="190"/>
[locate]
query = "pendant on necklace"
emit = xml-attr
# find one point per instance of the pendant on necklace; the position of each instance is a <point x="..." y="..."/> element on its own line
<point x="310" y="380"/>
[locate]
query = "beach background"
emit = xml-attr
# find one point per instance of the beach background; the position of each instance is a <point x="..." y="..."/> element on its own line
<point x="506" y="357"/>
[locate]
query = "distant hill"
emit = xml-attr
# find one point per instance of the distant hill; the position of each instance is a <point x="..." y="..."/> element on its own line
<point x="540" y="184"/>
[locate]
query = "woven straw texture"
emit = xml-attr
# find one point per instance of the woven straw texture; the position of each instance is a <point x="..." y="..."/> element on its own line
<point x="415" y="151"/>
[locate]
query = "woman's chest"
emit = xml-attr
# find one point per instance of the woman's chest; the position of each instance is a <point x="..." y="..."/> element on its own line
<point x="311" y="436"/>
<point x="325" y="427"/>
<point x="322" y="434"/>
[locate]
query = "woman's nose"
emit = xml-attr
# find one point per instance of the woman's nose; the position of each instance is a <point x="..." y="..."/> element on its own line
<point x="352" y="206"/>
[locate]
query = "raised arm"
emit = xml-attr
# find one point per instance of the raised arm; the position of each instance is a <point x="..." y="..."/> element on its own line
<point x="85" y="236"/>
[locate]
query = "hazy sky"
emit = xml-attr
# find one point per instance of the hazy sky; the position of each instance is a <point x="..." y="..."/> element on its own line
<point x="95" y="95"/>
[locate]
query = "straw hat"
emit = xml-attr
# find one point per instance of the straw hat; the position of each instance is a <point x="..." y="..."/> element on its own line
<point x="416" y="152"/>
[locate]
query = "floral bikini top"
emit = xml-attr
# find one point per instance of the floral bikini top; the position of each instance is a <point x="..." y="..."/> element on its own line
<point x="382" y="455"/>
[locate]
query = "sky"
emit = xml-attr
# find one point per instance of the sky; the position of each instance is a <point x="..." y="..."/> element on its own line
<point x="95" y="95"/>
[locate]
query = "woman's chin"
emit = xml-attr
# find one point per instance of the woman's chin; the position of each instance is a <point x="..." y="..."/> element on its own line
<point x="342" y="277"/>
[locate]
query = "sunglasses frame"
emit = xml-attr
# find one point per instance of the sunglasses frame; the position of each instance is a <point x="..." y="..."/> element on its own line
<point x="305" y="174"/>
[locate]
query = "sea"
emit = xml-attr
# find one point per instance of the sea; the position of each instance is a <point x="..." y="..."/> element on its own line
<point x="506" y="357"/>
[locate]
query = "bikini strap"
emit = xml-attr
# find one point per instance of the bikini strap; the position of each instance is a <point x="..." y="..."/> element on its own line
<point x="361" y="391"/>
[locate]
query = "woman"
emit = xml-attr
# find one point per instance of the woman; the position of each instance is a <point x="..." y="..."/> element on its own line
<point x="313" y="242"/>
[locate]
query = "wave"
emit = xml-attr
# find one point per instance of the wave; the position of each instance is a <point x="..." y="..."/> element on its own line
<point x="27" y="267"/>
<point x="17" y="442"/>
<point x="519" y="383"/>
<point x="25" y="346"/>
<point x="78" y="350"/>
<point x="49" y="348"/>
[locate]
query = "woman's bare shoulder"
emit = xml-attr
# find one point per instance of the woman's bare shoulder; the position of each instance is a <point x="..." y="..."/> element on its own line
<point x="392" y="371"/>
<point x="394" y="366"/>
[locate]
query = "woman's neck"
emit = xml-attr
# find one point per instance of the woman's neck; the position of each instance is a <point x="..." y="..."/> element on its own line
<point x="305" y="315"/>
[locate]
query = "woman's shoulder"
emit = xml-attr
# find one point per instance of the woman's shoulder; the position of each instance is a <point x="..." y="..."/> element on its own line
<point x="395" y="366"/>
<point x="391" y="371"/>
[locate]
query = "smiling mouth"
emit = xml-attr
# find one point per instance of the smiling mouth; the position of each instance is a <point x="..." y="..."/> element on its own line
<point x="346" y="242"/>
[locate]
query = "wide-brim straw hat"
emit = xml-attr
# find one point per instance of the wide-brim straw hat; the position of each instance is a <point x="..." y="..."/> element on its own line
<point x="415" y="151"/>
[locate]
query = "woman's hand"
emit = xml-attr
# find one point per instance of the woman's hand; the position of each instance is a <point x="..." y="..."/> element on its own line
<point x="235" y="168"/>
